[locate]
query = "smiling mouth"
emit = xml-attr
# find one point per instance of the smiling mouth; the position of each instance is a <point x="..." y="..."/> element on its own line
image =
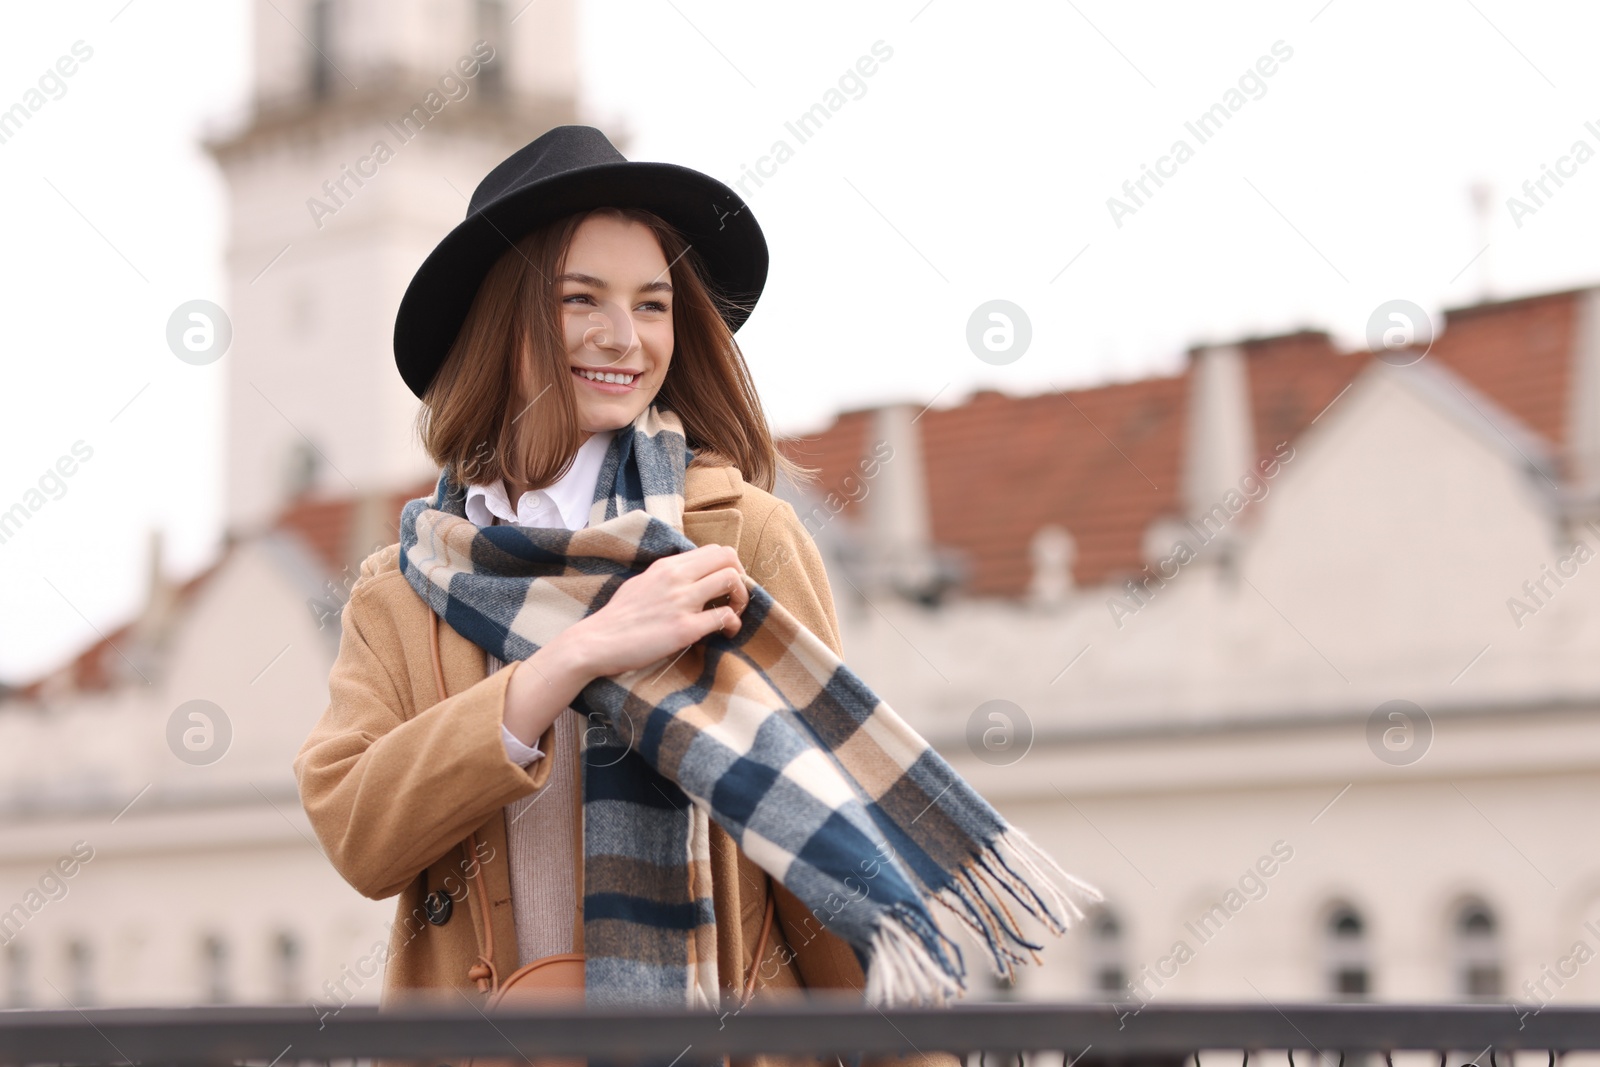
<point x="608" y="377"/>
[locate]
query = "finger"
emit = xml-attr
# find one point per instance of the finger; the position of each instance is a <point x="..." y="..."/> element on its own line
<point x="725" y="556"/>
<point x="738" y="595"/>
<point x="724" y="583"/>
<point x="699" y="562"/>
<point x="710" y="621"/>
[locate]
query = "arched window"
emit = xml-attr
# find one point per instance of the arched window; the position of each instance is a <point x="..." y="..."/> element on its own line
<point x="214" y="968"/>
<point x="1477" y="950"/>
<point x="80" y="973"/>
<point x="16" y="976"/>
<point x="286" y="966"/>
<point x="1349" y="973"/>
<point x="1108" y="972"/>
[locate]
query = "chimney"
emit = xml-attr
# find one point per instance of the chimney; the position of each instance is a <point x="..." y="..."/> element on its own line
<point x="1583" y="403"/>
<point x="1053" y="552"/>
<point x="1219" y="447"/>
<point x="154" y="622"/>
<point x="896" y="507"/>
<point x="1483" y="210"/>
<point x="162" y="593"/>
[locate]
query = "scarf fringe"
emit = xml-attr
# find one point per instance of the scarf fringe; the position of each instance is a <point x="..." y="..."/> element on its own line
<point x="1042" y="872"/>
<point x="981" y="916"/>
<point x="909" y="963"/>
<point x="1042" y="888"/>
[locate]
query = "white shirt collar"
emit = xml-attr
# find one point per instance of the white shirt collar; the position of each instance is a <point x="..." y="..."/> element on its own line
<point x="565" y="503"/>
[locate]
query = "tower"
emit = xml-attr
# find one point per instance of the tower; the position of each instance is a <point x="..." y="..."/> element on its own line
<point x="369" y="127"/>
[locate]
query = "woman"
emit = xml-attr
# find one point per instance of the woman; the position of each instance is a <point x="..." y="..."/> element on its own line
<point x="572" y="345"/>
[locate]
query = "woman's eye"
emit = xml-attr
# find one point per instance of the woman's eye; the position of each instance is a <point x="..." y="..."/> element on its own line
<point x="651" y="305"/>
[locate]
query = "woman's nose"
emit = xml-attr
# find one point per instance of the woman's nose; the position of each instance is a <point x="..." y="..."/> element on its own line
<point x="611" y="331"/>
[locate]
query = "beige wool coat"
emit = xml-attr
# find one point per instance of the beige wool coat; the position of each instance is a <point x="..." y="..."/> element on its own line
<point x="395" y="780"/>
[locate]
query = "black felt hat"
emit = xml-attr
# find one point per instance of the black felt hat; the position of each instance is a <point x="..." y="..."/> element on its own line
<point x="569" y="169"/>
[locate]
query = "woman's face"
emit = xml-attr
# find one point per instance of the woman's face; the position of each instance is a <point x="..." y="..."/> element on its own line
<point x="616" y="307"/>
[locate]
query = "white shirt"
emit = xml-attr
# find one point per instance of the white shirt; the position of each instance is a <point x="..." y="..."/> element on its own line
<point x="566" y="503"/>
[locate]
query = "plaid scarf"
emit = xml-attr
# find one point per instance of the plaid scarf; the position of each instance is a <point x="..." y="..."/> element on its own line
<point x="768" y="733"/>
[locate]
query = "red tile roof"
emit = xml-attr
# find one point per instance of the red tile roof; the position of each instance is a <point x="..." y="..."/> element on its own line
<point x="1101" y="462"/>
<point x="1520" y="353"/>
<point x="325" y="525"/>
<point x="1106" y="462"/>
<point x="1293" y="380"/>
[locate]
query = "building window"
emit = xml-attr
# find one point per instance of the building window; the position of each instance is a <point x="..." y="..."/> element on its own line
<point x="214" y="966"/>
<point x="321" y="37"/>
<point x="16" y="976"/>
<point x="286" y="967"/>
<point x="1349" y="974"/>
<point x="1477" y="951"/>
<point x="80" y="973"/>
<point x="492" y="27"/>
<point x="1107" y="972"/>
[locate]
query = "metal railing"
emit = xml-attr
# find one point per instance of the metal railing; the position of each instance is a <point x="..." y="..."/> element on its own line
<point x="1080" y="1033"/>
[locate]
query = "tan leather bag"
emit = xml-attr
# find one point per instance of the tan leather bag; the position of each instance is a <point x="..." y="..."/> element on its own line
<point x="557" y="979"/>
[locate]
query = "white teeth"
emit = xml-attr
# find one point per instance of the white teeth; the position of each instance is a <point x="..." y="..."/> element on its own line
<point x="606" y="376"/>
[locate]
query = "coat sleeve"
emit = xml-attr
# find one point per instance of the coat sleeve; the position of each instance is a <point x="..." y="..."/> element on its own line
<point x="786" y="563"/>
<point x="390" y="789"/>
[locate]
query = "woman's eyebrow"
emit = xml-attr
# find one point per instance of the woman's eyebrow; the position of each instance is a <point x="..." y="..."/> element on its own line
<point x="658" y="286"/>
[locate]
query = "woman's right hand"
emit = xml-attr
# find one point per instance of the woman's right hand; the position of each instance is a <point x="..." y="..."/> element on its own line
<point x="659" y="612"/>
<point x="655" y="614"/>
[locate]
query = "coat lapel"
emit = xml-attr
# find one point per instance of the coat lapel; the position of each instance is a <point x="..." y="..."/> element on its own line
<point x="708" y="517"/>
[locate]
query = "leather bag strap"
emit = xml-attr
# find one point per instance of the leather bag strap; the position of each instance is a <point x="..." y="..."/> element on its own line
<point x="761" y="948"/>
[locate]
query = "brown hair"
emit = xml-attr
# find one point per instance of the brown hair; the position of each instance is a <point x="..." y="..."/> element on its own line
<point x="509" y="359"/>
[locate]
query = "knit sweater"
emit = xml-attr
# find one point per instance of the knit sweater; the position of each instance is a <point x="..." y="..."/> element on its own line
<point x="541" y="838"/>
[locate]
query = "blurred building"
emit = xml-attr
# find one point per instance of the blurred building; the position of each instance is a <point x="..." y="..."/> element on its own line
<point x="163" y="752"/>
<point x="1289" y="653"/>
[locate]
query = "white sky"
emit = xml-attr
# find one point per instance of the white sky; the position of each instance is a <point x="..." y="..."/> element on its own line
<point x="975" y="166"/>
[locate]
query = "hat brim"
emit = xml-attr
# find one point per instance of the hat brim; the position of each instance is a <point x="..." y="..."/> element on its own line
<point x="712" y="218"/>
